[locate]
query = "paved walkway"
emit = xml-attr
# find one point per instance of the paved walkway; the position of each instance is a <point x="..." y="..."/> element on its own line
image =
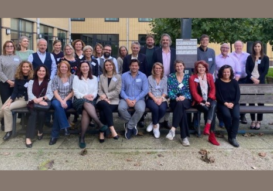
<point x="142" y="152"/>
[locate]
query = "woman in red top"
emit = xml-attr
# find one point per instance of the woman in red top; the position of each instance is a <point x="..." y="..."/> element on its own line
<point x="203" y="93"/>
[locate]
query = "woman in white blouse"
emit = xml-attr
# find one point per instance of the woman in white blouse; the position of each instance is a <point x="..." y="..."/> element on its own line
<point x="85" y="87"/>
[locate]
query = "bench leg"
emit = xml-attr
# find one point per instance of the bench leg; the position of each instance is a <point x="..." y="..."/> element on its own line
<point x="198" y="127"/>
<point x="14" y="116"/>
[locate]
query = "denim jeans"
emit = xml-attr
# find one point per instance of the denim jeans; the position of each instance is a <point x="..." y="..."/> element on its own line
<point x="60" y="119"/>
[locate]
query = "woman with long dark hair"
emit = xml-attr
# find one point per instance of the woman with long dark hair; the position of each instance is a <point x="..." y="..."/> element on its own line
<point x="109" y="90"/>
<point x="85" y="87"/>
<point x="39" y="92"/>
<point x="257" y="65"/>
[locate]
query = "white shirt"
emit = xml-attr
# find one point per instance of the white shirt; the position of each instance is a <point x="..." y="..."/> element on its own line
<point x="84" y="87"/>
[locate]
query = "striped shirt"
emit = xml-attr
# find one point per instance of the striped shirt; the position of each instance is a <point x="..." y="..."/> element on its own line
<point x="63" y="88"/>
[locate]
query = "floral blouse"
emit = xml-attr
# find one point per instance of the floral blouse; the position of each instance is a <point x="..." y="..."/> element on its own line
<point x="175" y="89"/>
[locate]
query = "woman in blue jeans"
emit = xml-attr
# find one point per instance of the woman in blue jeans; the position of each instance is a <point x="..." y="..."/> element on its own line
<point x="62" y="89"/>
<point x="157" y="97"/>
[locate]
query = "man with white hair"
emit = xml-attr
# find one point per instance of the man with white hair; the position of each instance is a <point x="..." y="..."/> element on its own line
<point x="241" y="57"/>
<point x="225" y="59"/>
<point x="41" y="57"/>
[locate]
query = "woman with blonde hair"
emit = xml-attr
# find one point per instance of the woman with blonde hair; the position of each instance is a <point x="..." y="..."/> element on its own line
<point x="62" y="100"/>
<point x="157" y="102"/>
<point x="69" y="56"/>
<point x="19" y="97"/>
<point x="57" y="50"/>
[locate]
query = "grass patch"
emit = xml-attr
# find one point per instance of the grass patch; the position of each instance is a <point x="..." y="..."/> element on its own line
<point x="270" y="72"/>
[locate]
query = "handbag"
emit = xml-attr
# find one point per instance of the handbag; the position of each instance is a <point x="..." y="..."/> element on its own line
<point x="42" y="107"/>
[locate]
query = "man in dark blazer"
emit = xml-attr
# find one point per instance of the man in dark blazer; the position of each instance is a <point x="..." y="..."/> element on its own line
<point x="135" y="47"/>
<point x="148" y="50"/>
<point x="165" y="55"/>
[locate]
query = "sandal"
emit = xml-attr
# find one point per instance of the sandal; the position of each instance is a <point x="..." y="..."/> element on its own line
<point x="258" y="125"/>
<point x="253" y="125"/>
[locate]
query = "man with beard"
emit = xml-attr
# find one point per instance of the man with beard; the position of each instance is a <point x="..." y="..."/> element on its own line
<point x="135" y="47"/>
<point x="107" y="56"/>
<point x="148" y="50"/>
<point x="133" y="91"/>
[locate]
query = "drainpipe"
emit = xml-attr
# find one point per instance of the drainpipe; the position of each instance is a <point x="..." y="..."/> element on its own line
<point x="69" y="31"/>
<point x="38" y="27"/>
<point x="127" y="33"/>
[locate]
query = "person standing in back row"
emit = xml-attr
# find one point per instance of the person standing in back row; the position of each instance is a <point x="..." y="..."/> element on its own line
<point x="149" y="50"/>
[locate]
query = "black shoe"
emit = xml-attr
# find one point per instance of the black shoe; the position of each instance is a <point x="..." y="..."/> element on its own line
<point x="81" y="142"/>
<point x="243" y="120"/>
<point x="40" y="137"/>
<point x="101" y="140"/>
<point x="164" y="124"/>
<point x="48" y="124"/>
<point x="53" y="141"/>
<point x="116" y="137"/>
<point x="7" y="136"/>
<point x="28" y="145"/>
<point x="141" y="124"/>
<point x="233" y="142"/>
<point x="66" y="132"/>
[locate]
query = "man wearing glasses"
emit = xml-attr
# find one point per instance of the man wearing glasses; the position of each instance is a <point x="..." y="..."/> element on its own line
<point x="107" y="56"/>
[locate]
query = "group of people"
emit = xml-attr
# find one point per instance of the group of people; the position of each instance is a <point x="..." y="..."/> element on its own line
<point x="85" y="79"/>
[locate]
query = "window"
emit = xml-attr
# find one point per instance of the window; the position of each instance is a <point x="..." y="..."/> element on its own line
<point x="142" y="39"/>
<point x="61" y="34"/>
<point x="46" y="32"/>
<point x="111" y="19"/>
<point x="77" y="19"/>
<point x="20" y="28"/>
<point x="145" y="19"/>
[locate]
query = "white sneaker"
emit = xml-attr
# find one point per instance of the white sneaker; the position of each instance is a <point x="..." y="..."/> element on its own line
<point x="185" y="142"/>
<point x="170" y="135"/>
<point x="150" y="127"/>
<point x="156" y="131"/>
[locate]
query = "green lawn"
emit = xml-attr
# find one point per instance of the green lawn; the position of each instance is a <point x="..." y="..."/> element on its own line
<point x="270" y="72"/>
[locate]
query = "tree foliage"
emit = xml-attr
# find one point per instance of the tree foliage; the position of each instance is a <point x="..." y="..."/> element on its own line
<point x="220" y="30"/>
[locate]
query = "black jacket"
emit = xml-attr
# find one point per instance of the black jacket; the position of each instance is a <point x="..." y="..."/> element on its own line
<point x="141" y="59"/>
<point x="157" y="57"/>
<point x="262" y="68"/>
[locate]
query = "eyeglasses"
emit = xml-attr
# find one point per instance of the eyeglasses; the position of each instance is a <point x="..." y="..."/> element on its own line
<point x="9" y="47"/>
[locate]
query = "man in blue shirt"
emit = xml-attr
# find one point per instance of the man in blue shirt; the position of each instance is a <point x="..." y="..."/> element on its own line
<point x="133" y="91"/>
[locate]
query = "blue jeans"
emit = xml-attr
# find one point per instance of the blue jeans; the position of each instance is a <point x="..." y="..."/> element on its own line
<point x="60" y="120"/>
<point x="158" y="111"/>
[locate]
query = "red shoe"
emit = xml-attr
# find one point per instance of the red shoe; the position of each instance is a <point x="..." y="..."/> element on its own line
<point x="207" y="129"/>
<point x="213" y="139"/>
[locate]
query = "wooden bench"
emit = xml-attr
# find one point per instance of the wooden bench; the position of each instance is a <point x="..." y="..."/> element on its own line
<point x="260" y="93"/>
<point x="25" y="111"/>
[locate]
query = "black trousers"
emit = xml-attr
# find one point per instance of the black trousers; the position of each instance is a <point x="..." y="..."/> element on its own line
<point x="231" y="118"/>
<point x="36" y="120"/>
<point x="5" y="92"/>
<point x="180" y="116"/>
<point x="209" y="114"/>
<point x="106" y="112"/>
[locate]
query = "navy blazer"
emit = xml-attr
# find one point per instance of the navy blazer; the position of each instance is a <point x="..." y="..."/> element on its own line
<point x="142" y="62"/>
<point x="157" y="57"/>
<point x="262" y="68"/>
